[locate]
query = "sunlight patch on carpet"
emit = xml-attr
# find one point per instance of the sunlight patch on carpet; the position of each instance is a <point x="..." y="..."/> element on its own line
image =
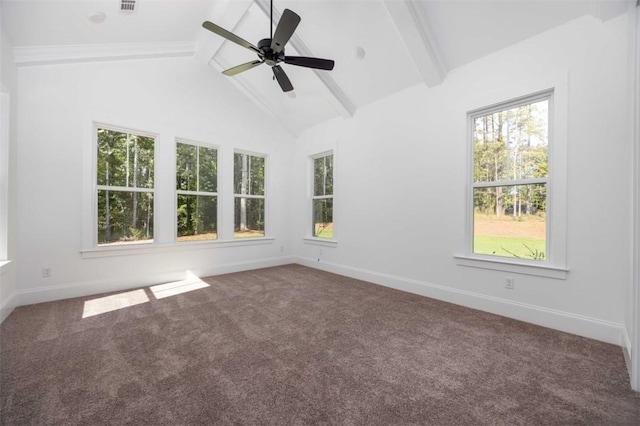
<point x="192" y="282"/>
<point x="114" y="302"/>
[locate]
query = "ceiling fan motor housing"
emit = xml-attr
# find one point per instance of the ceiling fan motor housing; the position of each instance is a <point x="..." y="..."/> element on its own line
<point x="270" y="57"/>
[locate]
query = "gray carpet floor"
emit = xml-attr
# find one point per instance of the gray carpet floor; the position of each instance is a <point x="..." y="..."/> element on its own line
<point x="296" y="346"/>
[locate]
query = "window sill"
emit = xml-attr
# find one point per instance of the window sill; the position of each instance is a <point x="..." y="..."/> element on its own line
<point x="4" y="265"/>
<point x="130" y="250"/>
<point x="507" y="265"/>
<point x="320" y="241"/>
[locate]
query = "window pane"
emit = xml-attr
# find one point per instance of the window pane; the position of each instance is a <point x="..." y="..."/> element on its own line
<point x="197" y="217"/>
<point x="256" y="177"/>
<point x="511" y="144"/>
<point x="125" y="159"/>
<point x="208" y="170"/>
<point x="248" y="174"/>
<point x="124" y="217"/>
<point x="112" y="158"/>
<point x="196" y="168"/>
<point x="142" y="162"/>
<point x="238" y="161"/>
<point x="186" y="167"/>
<point x="249" y="217"/>
<point x="323" y="218"/>
<point x="510" y="221"/>
<point x="323" y="175"/>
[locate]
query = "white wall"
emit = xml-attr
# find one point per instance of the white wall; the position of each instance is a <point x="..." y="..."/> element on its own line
<point x="175" y="97"/>
<point x="400" y="182"/>
<point x="632" y="308"/>
<point x="9" y="89"/>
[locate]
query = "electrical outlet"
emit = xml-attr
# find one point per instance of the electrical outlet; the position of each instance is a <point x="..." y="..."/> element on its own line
<point x="46" y="272"/>
<point x="509" y="283"/>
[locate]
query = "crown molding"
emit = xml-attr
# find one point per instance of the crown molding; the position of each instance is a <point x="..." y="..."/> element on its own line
<point x="49" y="55"/>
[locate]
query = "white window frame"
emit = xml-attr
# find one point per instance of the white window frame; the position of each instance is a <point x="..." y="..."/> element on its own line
<point x="314" y="197"/>
<point x="97" y="187"/>
<point x="207" y="194"/>
<point x="554" y="264"/>
<point x="5" y="109"/>
<point x="263" y="197"/>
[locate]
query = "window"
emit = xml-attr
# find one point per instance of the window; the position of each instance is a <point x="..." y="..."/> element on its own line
<point x="510" y="179"/>
<point x="322" y="196"/>
<point x="125" y="187"/>
<point x="249" y="194"/>
<point x="196" y="192"/>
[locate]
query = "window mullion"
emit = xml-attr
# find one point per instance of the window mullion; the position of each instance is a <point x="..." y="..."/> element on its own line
<point x="324" y="175"/>
<point x="248" y="196"/>
<point x="128" y="159"/>
<point x="510" y="182"/>
<point x="123" y="188"/>
<point x="197" y="168"/>
<point x="208" y="194"/>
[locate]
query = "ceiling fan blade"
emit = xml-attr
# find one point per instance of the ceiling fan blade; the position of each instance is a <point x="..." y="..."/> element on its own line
<point x="304" y="61"/>
<point x="229" y="36"/>
<point x="240" y="68"/>
<point x="282" y="78"/>
<point x="287" y="25"/>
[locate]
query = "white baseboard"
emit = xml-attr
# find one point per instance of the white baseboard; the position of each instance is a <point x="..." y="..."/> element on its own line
<point x="7" y="283"/>
<point x="593" y="328"/>
<point x="626" y="348"/>
<point x="67" y="291"/>
<point x="7" y="306"/>
<point x="243" y="266"/>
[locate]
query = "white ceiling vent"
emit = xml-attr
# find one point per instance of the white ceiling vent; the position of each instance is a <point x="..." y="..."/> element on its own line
<point x="128" y="6"/>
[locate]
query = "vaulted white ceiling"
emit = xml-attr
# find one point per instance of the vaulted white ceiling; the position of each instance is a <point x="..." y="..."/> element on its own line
<point x="380" y="46"/>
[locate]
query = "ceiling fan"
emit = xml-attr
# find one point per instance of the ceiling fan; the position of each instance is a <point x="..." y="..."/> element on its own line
<point x="271" y="50"/>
